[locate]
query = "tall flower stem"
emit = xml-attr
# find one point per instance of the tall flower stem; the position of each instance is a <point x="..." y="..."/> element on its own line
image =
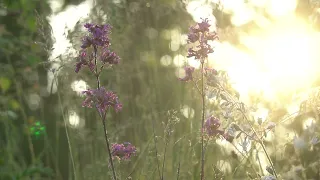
<point x="202" y="120"/>
<point x="103" y="118"/>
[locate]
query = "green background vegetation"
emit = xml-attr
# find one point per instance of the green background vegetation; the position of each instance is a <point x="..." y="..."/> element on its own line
<point x="33" y="142"/>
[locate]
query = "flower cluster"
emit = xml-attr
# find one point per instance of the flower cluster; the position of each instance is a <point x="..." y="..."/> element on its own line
<point x="110" y="57"/>
<point x="200" y="33"/>
<point x="98" y="35"/>
<point x="102" y="99"/>
<point x="85" y="60"/>
<point x="188" y="73"/>
<point x="98" y="39"/>
<point x="123" y="151"/>
<point x="211" y="127"/>
<point x="211" y="76"/>
<point x="95" y="54"/>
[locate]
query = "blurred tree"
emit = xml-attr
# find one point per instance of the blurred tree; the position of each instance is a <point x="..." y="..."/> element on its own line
<point x="22" y="81"/>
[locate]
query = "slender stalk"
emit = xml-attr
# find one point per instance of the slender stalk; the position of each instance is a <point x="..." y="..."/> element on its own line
<point x="156" y="149"/>
<point x="164" y="158"/>
<point x="56" y="160"/>
<point x="202" y="121"/>
<point x="103" y="118"/>
<point x="260" y="165"/>
<point x="178" y="171"/>
<point x="108" y="147"/>
<point x="67" y="134"/>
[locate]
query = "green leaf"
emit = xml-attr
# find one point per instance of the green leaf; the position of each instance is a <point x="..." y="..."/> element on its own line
<point x="14" y="104"/>
<point x="33" y="60"/>
<point x="5" y="84"/>
<point x="31" y="22"/>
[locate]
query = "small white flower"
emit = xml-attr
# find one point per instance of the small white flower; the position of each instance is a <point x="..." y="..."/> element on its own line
<point x="231" y="131"/>
<point x="245" y="144"/>
<point x="270" y="177"/>
<point x="270" y="125"/>
<point x="314" y="141"/>
<point x="299" y="143"/>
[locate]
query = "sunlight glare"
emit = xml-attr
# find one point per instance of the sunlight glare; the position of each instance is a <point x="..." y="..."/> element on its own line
<point x="199" y="9"/>
<point x="74" y="119"/>
<point x="262" y="113"/>
<point x="309" y="123"/>
<point x="187" y="111"/>
<point x="166" y="60"/>
<point x="276" y="62"/>
<point x="275" y="8"/>
<point x="79" y="86"/>
<point x="179" y="60"/>
<point x="278" y="59"/>
<point x="194" y="63"/>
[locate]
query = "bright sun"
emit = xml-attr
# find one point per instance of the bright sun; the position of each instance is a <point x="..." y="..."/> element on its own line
<point x="278" y="59"/>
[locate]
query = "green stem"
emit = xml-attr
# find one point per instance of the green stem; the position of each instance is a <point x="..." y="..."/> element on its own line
<point x="103" y="117"/>
<point x="202" y="121"/>
<point x="67" y="133"/>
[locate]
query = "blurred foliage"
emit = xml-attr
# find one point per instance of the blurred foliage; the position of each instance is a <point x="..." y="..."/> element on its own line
<point x="20" y="76"/>
<point x="158" y="110"/>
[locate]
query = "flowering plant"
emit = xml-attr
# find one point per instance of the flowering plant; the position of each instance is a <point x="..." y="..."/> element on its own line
<point x="211" y="79"/>
<point x="95" y="54"/>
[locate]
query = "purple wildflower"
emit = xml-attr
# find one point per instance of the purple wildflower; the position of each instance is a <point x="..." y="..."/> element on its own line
<point x="210" y="71"/>
<point x="98" y="38"/>
<point x="200" y="32"/>
<point x="84" y="60"/>
<point x="117" y="106"/>
<point x="204" y="25"/>
<point x="314" y="140"/>
<point x="123" y="151"/>
<point x="188" y="70"/>
<point x="211" y="126"/>
<point x="211" y="76"/>
<point x="86" y="42"/>
<point x="99" y="35"/>
<point x="211" y="36"/>
<point x="109" y="57"/>
<point x="270" y="125"/>
<point x="102" y="99"/>
<point x="229" y="134"/>
<point x="192" y="36"/>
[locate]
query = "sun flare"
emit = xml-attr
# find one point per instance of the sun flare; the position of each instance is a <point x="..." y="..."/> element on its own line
<point x="277" y="59"/>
